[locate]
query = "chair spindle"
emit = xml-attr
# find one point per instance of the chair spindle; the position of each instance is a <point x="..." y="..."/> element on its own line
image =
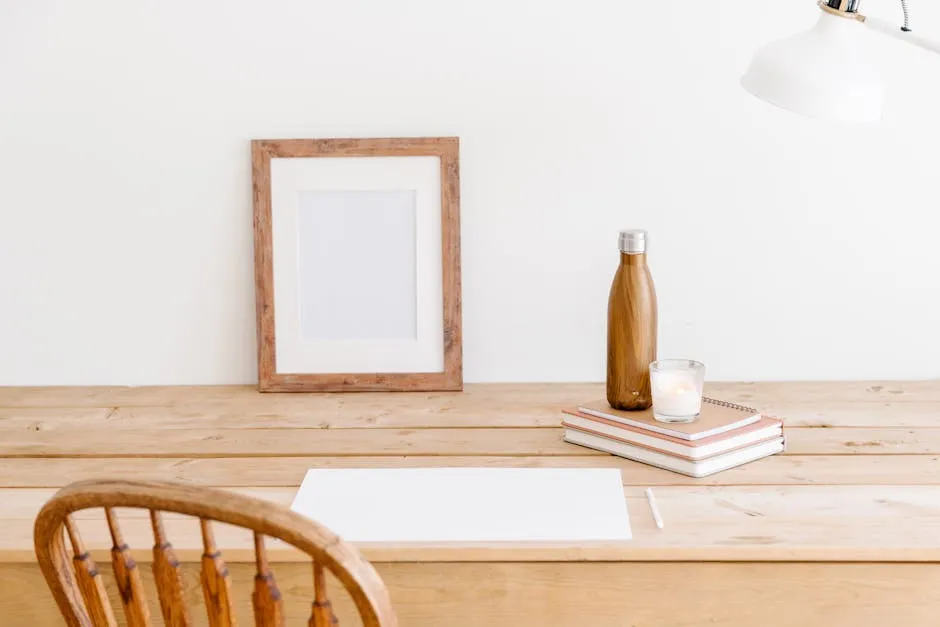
<point x="89" y="580"/>
<point x="127" y="576"/>
<point x="266" y="598"/>
<point x="167" y="578"/>
<point x="216" y="582"/>
<point x="322" y="615"/>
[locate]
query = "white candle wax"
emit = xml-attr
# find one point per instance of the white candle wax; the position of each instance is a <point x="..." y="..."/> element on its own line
<point x="675" y="393"/>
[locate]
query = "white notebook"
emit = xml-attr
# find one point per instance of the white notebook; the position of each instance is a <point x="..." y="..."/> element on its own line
<point x="459" y="505"/>
<point x="698" y="469"/>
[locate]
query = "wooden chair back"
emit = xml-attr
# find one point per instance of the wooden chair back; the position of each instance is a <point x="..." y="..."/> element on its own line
<point x="80" y="593"/>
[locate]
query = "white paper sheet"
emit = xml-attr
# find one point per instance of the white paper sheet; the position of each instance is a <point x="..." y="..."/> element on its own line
<point x="441" y="505"/>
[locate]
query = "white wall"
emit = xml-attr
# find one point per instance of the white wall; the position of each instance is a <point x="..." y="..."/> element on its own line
<point x="782" y="248"/>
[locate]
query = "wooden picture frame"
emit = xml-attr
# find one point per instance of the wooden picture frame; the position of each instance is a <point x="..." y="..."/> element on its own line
<point x="270" y="217"/>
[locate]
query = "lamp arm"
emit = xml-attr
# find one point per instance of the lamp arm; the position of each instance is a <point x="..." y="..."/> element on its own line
<point x="888" y="28"/>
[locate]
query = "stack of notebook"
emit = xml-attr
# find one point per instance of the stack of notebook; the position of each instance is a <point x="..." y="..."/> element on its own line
<point x="725" y="435"/>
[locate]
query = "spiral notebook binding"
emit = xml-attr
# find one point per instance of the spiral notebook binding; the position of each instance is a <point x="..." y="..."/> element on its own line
<point x="715" y="401"/>
<point x="751" y="410"/>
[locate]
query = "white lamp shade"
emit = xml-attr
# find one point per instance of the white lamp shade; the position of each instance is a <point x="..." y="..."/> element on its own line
<point x="820" y="73"/>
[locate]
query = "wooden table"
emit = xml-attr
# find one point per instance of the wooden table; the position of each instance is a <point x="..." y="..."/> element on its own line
<point x="844" y="529"/>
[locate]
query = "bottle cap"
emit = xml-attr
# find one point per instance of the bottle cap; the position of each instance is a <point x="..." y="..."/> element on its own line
<point x="633" y="241"/>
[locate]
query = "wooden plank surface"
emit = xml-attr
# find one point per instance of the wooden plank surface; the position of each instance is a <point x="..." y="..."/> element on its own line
<point x="248" y="441"/>
<point x="491" y="406"/>
<point x="573" y="594"/>
<point x="482" y="395"/>
<point x="225" y="416"/>
<point x="424" y="442"/>
<point x="331" y="415"/>
<point x="36" y="472"/>
<point x="794" y="523"/>
<point x="767" y="543"/>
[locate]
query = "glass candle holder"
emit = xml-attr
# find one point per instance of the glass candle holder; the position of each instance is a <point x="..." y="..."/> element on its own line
<point x="677" y="386"/>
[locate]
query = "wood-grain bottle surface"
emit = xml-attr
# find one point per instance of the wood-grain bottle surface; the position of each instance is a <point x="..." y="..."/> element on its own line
<point x="631" y="327"/>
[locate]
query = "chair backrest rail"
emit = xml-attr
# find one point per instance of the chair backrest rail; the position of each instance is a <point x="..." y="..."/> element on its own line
<point x="79" y="589"/>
